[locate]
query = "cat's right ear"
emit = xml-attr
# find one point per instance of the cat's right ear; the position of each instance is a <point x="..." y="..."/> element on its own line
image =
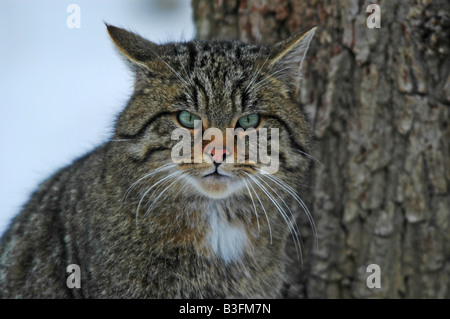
<point x="134" y="47"/>
<point x="289" y="56"/>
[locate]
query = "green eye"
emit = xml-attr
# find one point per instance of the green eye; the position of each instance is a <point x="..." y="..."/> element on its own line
<point x="248" y="121"/>
<point x="187" y="119"/>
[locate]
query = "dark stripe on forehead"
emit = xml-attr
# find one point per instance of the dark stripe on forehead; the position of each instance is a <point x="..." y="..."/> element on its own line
<point x="244" y="99"/>
<point x="183" y="98"/>
<point x="192" y="55"/>
<point x="195" y="98"/>
<point x="199" y="87"/>
<point x="236" y="93"/>
<point x="237" y="52"/>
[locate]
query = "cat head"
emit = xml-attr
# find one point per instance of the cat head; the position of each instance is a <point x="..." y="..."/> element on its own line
<point x="195" y="102"/>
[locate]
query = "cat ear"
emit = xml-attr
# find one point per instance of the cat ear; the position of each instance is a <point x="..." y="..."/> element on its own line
<point x="134" y="47"/>
<point x="288" y="58"/>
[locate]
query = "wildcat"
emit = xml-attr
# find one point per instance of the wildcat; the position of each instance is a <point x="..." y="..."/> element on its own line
<point x="141" y="226"/>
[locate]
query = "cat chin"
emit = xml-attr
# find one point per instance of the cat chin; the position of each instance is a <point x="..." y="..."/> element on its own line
<point x="217" y="187"/>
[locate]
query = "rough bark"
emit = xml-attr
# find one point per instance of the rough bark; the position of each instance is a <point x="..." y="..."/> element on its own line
<point x="379" y="100"/>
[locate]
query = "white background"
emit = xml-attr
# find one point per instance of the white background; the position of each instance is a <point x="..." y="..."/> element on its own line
<point x="61" y="88"/>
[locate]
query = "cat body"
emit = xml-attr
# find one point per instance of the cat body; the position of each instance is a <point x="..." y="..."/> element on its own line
<point x="141" y="226"/>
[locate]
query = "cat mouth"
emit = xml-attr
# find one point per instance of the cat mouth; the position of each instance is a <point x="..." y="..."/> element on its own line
<point x="216" y="177"/>
<point x="217" y="173"/>
<point x="216" y="184"/>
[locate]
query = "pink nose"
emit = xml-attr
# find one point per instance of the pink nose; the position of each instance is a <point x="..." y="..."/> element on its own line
<point x="217" y="153"/>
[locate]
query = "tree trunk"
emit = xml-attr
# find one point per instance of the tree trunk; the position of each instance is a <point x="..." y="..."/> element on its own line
<point x="379" y="100"/>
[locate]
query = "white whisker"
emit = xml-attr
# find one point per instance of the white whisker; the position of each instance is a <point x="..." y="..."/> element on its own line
<point x="253" y="202"/>
<point x="264" y="209"/>
<point x="157" y="170"/>
<point x="294" y="194"/>
<point x="309" y="156"/>
<point x="156" y="199"/>
<point x="268" y="77"/>
<point x="260" y="177"/>
<point x="284" y="215"/>
<point x="184" y="69"/>
<point x="255" y="75"/>
<point x="148" y="190"/>
<point x="182" y="80"/>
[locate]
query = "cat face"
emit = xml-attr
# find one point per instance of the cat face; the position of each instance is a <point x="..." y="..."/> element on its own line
<point x="203" y="109"/>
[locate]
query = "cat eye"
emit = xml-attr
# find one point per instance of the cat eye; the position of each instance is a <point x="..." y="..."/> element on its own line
<point x="187" y="119"/>
<point x="248" y="121"/>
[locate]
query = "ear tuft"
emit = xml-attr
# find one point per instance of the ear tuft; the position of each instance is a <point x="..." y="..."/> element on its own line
<point x="289" y="56"/>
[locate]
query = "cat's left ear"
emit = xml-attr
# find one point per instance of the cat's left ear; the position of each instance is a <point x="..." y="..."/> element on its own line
<point x="288" y="57"/>
<point x="135" y="48"/>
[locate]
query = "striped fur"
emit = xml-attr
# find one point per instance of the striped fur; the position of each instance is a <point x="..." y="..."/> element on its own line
<point x="139" y="225"/>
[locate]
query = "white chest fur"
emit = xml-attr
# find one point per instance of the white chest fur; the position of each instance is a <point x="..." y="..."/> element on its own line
<point x="227" y="241"/>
